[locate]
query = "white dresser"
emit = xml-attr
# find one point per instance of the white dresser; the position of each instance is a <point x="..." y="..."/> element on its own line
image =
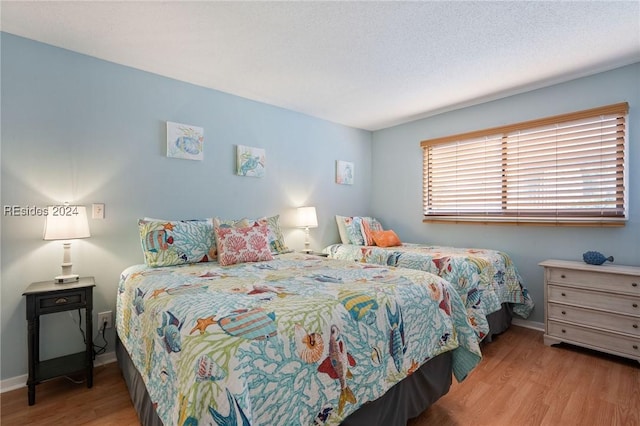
<point x="597" y="307"/>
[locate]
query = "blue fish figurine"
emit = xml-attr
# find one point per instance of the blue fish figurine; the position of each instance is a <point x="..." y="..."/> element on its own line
<point x="595" y="258"/>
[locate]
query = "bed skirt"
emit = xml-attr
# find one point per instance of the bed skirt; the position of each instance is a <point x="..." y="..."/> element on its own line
<point x="405" y="400"/>
<point x="499" y="321"/>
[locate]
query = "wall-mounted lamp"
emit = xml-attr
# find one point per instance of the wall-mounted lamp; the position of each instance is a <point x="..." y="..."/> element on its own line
<point x="66" y="222"/>
<point x="307" y="219"/>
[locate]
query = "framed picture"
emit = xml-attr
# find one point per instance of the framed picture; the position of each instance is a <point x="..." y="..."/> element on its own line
<point x="344" y="172"/>
<point x="250" y="161"/>
<point x="184" y="141"/>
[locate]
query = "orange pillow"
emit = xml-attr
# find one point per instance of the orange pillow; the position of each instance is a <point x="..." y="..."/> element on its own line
<point x="386" y="238"/>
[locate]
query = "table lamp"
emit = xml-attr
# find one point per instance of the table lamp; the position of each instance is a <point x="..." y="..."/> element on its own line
<point x="307" y="219"/>
<point x="66" y="223"/>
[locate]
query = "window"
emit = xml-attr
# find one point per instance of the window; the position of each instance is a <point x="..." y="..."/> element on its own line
<point x="563" y="170"/>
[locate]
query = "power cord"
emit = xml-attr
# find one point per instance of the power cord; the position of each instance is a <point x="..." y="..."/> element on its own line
<point x="101" y="349"/>
<point x="97" y="349"/>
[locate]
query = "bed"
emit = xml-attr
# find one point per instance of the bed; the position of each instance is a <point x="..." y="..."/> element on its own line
<point x="298" y="339"/>
<point x="486" y="280"/>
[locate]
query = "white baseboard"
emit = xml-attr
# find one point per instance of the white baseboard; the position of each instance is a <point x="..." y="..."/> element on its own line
<point x="21" y="381"/>
<point x="13" y="383"/>
<point x="534" y="325"/>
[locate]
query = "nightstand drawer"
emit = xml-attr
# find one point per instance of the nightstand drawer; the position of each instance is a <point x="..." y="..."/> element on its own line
<point x="600" y="281"/>
<point x="609" y="302"/>
<point x="593" y="318"/>
<point x="596" y="339"/>
<point x="61" y="300"/>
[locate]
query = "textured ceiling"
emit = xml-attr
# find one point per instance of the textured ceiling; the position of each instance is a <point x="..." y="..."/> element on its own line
<point x="368" y="65"/>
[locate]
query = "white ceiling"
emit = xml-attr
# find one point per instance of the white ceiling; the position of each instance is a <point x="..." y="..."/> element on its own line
<point x="368" y="65"/>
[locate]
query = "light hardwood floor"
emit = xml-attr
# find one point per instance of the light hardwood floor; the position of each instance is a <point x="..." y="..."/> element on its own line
<point x="519" y="382"/>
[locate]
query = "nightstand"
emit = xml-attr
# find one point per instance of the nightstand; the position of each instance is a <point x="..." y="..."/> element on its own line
<point x="46" y="298"/>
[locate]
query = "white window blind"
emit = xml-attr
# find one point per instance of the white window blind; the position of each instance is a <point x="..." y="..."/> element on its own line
<point x="567" y="169"/>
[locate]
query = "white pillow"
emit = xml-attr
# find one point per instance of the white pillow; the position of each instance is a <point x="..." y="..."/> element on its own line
<point x="342" y="230"/>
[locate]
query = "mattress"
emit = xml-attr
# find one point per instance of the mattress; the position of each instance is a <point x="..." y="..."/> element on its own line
<point x="296" y="340"/>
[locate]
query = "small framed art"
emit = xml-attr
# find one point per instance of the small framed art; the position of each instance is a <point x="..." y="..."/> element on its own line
<point x="184" y="141"/>
<point x="344" y="172"/>
<point x="250" y="161"/>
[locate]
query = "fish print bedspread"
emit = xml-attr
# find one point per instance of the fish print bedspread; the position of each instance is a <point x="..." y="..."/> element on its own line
<point x="483" y="278"/>
<point x="298" y="340"/>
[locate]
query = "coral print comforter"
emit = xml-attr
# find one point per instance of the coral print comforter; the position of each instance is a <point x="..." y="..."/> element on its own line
<point x="484" y="279"/>
<point x="297" y="340"/>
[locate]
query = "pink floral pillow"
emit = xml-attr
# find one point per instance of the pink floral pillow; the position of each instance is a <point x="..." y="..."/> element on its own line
<point x="244" y="244"/>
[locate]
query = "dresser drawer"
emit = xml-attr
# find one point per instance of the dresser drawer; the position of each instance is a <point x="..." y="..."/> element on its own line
<point x="619" y="323"/>
<point x="603" y="340"/>
<point x="602" y="281"/>
<point x="591" y="299"/>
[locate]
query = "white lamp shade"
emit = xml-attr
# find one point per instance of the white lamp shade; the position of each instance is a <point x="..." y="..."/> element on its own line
<point x="307" y="217"/>
<point x="66" y="223"/>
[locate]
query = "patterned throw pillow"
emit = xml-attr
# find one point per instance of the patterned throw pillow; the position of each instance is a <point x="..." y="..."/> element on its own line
<point x="244" y="244"/>
<point x="369" y="224"/>
<point x="170" y="242"/>
<point x="353" y="227"/>
<point x="386" y="238"/>
<point x="357" y="230"/>
<point x="276" y="238"/>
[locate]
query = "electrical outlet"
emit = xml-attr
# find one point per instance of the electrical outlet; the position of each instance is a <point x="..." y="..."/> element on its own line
<point x="105" y="317"/>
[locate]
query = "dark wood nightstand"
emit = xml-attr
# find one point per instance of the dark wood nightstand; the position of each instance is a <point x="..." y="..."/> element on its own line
<point x="46" y="298"/>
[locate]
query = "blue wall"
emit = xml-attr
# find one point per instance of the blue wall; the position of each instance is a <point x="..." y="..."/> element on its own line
<point x="397" y="181"/>
<point x="75" y="128"/>
<point x="79" y="129"/>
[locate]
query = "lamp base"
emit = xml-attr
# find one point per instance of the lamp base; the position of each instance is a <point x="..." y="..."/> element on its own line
<point x="63" y="279"/>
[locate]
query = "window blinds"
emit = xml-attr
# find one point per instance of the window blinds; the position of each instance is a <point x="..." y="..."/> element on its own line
<point x="562" y="169"/>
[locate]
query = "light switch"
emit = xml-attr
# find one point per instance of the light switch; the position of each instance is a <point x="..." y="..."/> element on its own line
<point x="98" y="211"/>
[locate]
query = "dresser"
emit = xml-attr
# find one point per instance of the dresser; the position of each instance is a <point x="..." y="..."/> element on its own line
<point x="597" y="307"/>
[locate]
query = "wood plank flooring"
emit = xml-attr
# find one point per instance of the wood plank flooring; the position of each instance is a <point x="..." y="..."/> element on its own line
<point x="519" y="382"/>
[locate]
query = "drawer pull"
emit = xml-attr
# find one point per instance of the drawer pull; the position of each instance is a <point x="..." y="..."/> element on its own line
<point x="563" y="276"/>
<point x="634" y="284"/>
<point x="564" y="313"/>
<point x="635" y="347"/>
<point x="564" y="331"/>
<point x="61" y="300"/>
<point x="635" y="305"/>
<point x="635" y="325"/>
<point x="563" y="294"/>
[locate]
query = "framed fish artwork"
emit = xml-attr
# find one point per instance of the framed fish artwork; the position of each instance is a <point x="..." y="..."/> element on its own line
<point x="344" y="172"/>
<point x="184" y="141"/>
<point x="250" y="161"/>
